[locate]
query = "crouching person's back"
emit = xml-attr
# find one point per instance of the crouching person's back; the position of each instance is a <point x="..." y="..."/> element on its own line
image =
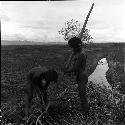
<point x="38" y="80"/>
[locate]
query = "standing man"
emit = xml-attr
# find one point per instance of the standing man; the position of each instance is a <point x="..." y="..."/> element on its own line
<point x="77" y="64"/>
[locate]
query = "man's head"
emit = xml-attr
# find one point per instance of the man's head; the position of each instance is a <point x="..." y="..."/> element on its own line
<point x="43" y="79"/>
<point x="44" y="82"/>
<point x="75" y="43"/>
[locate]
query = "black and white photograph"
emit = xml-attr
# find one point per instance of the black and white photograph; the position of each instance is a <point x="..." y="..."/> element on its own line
<point x="62" y="62"/>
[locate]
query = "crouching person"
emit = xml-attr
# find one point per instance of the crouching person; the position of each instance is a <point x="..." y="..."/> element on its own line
<point x="77" y="64"/>
<point x="38" y="80"/>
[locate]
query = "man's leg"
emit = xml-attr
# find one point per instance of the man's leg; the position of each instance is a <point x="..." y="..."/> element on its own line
<point x="45" y="97"/>
<point x="39" y="93"/>
<point x="82" y="84"/>
<point x="28" y="98"/>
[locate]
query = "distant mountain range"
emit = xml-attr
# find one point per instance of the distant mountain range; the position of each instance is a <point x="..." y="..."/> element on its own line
<point x="6" y="42"/>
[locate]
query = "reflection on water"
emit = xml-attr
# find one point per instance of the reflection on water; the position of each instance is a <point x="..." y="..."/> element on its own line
<point x="99" y="74"/>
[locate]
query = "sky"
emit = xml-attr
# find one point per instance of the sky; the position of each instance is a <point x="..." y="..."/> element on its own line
<point x="40" y="21"/>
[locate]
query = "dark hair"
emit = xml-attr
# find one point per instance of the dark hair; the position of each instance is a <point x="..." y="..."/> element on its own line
<point x="75" y="41"/>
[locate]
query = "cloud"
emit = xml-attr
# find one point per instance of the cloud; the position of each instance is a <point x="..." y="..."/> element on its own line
<point x="97" y="24"/>
<point x="107" y="34"/>
<point x="42" y="20"/>
<point x="105" y="38"/>
<point x="36" y="25"/>
<point x="4" y="18"/>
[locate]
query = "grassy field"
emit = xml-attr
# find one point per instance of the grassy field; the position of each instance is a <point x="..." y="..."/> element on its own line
<point x="16" y="61"/>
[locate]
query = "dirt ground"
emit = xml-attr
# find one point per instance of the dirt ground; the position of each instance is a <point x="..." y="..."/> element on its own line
<point x="16" y="61"/>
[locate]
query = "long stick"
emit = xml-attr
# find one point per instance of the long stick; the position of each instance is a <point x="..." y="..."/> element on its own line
<point x="85" y="23"/>
<point x="81" y="34"/>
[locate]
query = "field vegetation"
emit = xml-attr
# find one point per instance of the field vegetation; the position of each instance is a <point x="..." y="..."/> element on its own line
<point x="106" y="108"/>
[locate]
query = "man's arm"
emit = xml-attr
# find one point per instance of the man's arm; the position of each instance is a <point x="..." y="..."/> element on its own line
<point x="77" y="64"/>
<point x="69" y="61"/>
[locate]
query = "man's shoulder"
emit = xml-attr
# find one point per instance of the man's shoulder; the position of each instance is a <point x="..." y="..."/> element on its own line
<point x="83" y="51"/>
<point x="38" y="70"/>
<point x="82" y="54"/>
